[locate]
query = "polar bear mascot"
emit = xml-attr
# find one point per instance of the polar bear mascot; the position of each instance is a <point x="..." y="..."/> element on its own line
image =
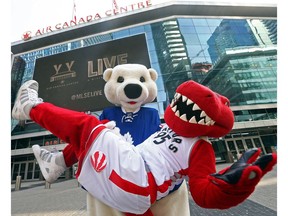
<point x="130" y="87"/>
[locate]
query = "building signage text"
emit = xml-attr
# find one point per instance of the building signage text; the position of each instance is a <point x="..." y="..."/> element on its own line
<point x="86" y="19"/>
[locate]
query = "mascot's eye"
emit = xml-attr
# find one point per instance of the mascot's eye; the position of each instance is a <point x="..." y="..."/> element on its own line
<point x="142" y="79"/>
<point x="120" y="79"/>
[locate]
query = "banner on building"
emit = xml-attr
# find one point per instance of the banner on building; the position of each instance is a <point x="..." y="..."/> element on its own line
<point x="74" y="79"/>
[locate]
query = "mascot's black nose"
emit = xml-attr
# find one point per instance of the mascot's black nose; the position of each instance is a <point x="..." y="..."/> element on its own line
<point x="133" y="91"/>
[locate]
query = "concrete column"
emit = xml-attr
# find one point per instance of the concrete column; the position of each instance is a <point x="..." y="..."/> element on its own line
<point x="18" y="182"/>
<point x="47" y="185"/>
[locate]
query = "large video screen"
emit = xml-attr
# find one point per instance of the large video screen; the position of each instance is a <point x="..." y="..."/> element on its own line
<point x="74" y="79"/>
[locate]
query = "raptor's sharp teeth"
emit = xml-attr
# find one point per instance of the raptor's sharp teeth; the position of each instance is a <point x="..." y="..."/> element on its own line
<point x="203" y="114"/>
<point x="195" y="107"/>
<point x="189" y="102"/>
<point x="208" y="123"/>
<point x="207" y="118"/>
<point x="201" y="122"/>
<point x="177" y="95"/>
<point x="183" y="117"/>
<point x="193" y="120"/>
<point x="212" y="122"/>
<point x="177" y="113"/>
<point x="184" y="98"/>
<point x="174" y="108"/>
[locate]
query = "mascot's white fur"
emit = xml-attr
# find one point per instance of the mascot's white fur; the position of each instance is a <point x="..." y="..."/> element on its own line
<point x="131" y="86"/>
<point x="130" y="82"/>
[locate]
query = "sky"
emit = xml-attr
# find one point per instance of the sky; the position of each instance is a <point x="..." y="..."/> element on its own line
<point x="31" y="15"/>
<point x="20" y="16"/>
<point x="36" y="14"/>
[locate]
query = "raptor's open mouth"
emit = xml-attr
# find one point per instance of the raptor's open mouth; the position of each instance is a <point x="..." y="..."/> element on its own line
<point x="189" y="111"/>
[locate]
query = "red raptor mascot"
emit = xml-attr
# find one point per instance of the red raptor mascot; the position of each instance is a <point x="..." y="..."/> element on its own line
<point x="130" y="178"/>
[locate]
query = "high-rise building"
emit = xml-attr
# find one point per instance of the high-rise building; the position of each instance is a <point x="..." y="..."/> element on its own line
<point x="230" y="34"/>
<point x="265" y="31"/>
<point x="172" y="54"/>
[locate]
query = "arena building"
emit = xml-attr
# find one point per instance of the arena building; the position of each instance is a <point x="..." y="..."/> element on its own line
<point x="231" y="48"/>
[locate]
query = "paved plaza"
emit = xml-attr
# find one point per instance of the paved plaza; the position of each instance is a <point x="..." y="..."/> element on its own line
<point x="66" y="198"/>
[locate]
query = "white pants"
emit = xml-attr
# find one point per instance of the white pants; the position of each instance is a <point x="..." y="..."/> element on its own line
<point x="176" y="203"/>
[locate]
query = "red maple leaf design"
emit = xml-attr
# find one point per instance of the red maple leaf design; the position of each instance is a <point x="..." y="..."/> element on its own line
<point x="26" y="35"/>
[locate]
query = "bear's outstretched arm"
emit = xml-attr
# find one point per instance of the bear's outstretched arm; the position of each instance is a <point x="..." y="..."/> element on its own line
<point x="230" y="186"/>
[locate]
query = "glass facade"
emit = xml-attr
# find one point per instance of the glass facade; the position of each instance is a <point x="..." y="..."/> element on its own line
<point x="235" y="57"/>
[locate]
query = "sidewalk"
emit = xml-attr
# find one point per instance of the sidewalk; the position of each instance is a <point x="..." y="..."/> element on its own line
<point x="66" y="198"/>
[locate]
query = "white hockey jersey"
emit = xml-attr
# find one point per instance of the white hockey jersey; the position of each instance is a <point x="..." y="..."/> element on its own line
<point x="167" y="157"/>
<point x="117" y="173"/>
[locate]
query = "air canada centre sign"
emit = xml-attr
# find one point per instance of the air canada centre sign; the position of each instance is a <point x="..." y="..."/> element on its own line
<point x="27" y="35"/>
<point x="74" y="79"/>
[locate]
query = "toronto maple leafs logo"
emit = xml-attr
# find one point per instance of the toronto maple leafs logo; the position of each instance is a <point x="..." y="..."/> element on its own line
<point x="98" y="161"/>
<point x="127" y="136"/>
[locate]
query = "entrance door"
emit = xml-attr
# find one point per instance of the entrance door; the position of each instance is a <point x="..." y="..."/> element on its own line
<point x="18" y="169"/>
<point x="257" y="142"/>
<point x="15" y="171"/>
<point x="28" y="170"/>
<point x="33" y="170"/>
<point x="230" y="145"/>
<point x="240" y="144"/>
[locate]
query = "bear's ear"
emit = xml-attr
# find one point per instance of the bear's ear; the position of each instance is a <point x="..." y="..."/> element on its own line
<point x="153" y="74"/>
<point x="107" y="74"/>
